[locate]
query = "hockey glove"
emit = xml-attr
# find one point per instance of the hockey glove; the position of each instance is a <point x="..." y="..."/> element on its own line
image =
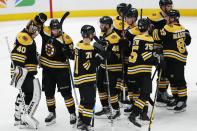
<point x="18" y="77"/>
<point x="160" y="60"/>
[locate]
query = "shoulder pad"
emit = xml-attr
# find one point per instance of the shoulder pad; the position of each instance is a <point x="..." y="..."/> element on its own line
<point x="47" y="30"/>
<point x="67" y="39"/>
<point x="174" y="28"/>
<point x="156" y="16"/>
<point x="118" y="24"/>
<point x="135" y="31"/>
<point x="24" y="39"/>
<point x="113" y="38"/>
<point x="84" y="46"/>
<point x="144" y="37"/>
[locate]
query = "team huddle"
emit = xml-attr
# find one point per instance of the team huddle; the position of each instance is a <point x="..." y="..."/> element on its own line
<point x="118" y="65"/>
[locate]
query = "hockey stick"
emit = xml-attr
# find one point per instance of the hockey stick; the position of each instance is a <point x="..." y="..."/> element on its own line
<point x="108" y="90"/>
<point x="150" y="100"/>
<point x="71" y="76"/>
<point x="153" y="76"/>
<point x="155" y="97"/>
<point x="107" y="81"/>
<point x="66" y="14"/>
<point x="141" y="12"/>
<point x="122" y="53"/>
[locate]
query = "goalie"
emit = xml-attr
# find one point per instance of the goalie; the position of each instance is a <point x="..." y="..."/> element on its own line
<point x="24" y="68"/>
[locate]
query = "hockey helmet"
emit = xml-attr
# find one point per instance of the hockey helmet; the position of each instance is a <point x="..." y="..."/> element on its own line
<point x="87" y="30"/>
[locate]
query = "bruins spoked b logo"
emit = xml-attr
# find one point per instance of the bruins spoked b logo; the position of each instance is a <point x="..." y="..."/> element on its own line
<point x="50" y="50"/>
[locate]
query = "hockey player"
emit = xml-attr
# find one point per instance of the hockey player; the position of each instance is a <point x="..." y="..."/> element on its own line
<point x="175" y="39"/>
<point x="57" y="48"/>
<point x="24" y="68"/>
<point x="158" y="21"/>
<point x="86" y="62"/>
<point x="118" y="19"/>
<point x="110" y="39"/>
<point x="118" y="28"/>
<point x="141" y="61"/>
<point x="131" y="32"/>
<point x="158" y="18"/>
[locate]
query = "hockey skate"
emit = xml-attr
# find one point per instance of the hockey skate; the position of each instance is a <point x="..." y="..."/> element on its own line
<point x="180" y="107"/>
<point x="115" y="114"/>
<point x="73" y="118"/>
<point x="133" y="119"/>
<point x="162" y="99"/>
<point x="50" y="119"/>
<point x="79" y="123"/>
<point x="104" y="112"/>
<point x="144" y="118"/>
<point x="85" y="127"/>
<point x="171" y="104"/>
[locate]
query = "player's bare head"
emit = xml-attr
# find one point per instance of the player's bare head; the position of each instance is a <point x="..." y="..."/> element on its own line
<point x="88" y="31"/>
<point x="121" y="8"/>
<point x="106" y="23"/>
<point x="131" y="16"/>
<point x="173" y="16"/>
<point x="143" y="24"/>
<point x="33" y="28"/>
<point x="166" y="5"/>
<point x="55" y="27"/>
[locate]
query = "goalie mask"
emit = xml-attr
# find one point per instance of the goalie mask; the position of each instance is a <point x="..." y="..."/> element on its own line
<point x="33" y="28"/>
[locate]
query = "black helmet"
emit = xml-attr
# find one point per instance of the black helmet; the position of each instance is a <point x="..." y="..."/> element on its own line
<point x="121" y="7"/>
<point x="165" y="2"/>
<point x="87" y="30"/>
<point x="174" y="14"/>
<point x="133" y="12"/>
<point x="143" y="24"/>
<point x="106" y="20"/>
<point x="55" y="24"/>
<point x="40" y="18"/>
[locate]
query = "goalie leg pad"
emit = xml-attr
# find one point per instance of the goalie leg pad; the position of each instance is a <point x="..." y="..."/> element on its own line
<point x="30" y="110"/>
<point x="18" y="107"/>
<point x="28" y="122"/>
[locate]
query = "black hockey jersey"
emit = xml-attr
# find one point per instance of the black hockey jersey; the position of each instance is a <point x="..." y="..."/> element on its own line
<point x="24" y="53"/>
<point x="53" y="55"/>
<point x="118" y="25"/>
<point x="175" y="39"/>
<point x="141" y="58"/>
<point x="157" y="19"/>
<point x="114" y="60"/>
<point x="85" y="64"/>
<point x="131" y="32"/>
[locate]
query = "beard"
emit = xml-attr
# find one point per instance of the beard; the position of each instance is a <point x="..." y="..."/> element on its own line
<point x="104" y="29"/>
